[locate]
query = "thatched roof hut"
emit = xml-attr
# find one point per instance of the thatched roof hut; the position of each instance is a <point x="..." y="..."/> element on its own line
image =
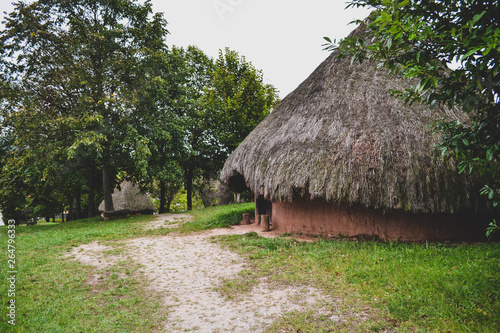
<point x="340" y="141"/>
<point x="129" y="199"/>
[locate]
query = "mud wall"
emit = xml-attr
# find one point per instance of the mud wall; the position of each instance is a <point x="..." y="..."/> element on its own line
<point x="318" y="217"/>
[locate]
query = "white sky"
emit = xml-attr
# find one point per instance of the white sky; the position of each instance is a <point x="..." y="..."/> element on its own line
<point x="282" y="38"/>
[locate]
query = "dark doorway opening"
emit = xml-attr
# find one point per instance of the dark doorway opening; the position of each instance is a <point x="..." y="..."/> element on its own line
<point x="263" y="207"/>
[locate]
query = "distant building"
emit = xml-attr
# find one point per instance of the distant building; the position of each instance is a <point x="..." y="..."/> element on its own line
<point x="129" y="200"/>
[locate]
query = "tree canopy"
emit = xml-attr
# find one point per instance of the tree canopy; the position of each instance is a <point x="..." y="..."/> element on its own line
<point x="79" y="68"/>
<point x="91" y="94"/>
<point x="226" y="99"/>
<point x="452" y="49"/>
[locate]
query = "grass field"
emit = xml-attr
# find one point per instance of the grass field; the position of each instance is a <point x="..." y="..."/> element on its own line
<point x="378" y="286"/>
<point x="400" y="287"/>
<point x="52" y="293"/>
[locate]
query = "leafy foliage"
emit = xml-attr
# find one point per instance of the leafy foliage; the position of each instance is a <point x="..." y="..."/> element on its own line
<point x="225" y="100"/>
<point x="77" y="76"/>
<point x="238" y="100"/>
<point x="89" y="90"/>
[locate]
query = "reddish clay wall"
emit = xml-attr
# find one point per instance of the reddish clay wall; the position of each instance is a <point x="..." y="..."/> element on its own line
<point x="318" y="217"/>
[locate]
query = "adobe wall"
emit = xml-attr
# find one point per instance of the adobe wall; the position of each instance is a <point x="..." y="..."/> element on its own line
<point x="318" y="217"/>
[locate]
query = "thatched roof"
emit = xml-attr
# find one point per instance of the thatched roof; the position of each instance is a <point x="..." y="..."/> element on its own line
<point x="340" y="136"/>
<point x="129" y="199"/>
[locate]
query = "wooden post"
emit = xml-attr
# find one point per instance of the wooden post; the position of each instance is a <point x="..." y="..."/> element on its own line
<point x="265" y="222"/>
<point x="246" y="218"/>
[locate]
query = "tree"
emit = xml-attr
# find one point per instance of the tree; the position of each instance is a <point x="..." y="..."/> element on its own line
<point x="76" y="70"/>
<point x="452" y="50"/>
<point x="164" y="125"/>
<point x="30" y="176"/>
<point x="226" y="100"/>
<point x="239" y="100"/>
<point x="11" y="196"/>
<point x="195" y="75"/>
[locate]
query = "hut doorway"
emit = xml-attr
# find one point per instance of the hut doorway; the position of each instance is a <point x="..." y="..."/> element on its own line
<point x="263" y="207"/>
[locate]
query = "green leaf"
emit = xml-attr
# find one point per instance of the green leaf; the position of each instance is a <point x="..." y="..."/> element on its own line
<point x="435" y="82"/>
<point x="477" y="17"/>
<point x="489" y="154"/>
<point x="491" y="229"/>
<point x="386" y="17"/>
<point x="403" y="4"/>
<point x="462" y="167"/>
<point x="471" y="52"/>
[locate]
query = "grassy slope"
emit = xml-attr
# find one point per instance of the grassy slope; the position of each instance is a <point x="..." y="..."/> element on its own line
<point x="402" y="287"/>
<point x="52" y="293"/>
<point x="218" y="217"/>
<point x="395" y="286"/>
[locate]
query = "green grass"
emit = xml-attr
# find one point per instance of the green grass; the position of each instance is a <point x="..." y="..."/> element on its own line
<point x="234" y="288"/>
<point x="179" y="204"/>
<point x="374" y="286"/>
<point x="407" y="287"/>
<point x="53" y="293"/>
<point x="218" y="217"/>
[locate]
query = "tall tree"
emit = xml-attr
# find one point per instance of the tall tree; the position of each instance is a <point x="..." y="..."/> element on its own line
<point x="198" y="142"/>
<point x="226" y="100"/>
<point x="163" y="125"/>
<point x="452" y="50"/>
<point x="238" y="100"/>
<point x="79" y="67"/>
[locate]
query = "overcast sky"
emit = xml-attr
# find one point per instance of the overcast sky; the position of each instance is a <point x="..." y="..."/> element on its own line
<point x="282" y="38"/>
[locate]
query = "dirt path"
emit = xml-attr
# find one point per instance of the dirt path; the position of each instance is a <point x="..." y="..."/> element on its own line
<point x="185" y="270"/>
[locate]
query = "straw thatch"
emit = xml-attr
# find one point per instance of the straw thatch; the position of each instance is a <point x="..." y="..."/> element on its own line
<point x="129" y="200"/>
<point x="341" y="137"/>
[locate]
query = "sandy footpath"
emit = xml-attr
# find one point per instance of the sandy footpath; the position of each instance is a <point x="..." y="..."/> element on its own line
<point x="185" y="269"/>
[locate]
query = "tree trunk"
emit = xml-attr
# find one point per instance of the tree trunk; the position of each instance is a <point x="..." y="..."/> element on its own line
<point x="189" y="188"/>
<point x="169" y="203"/>
<point x="70" y="215"/>
<point x="163" y="198"/>
<point x="91" y="209"/>
<point x="78" y="203"/>
<point x="107" y="181"/>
